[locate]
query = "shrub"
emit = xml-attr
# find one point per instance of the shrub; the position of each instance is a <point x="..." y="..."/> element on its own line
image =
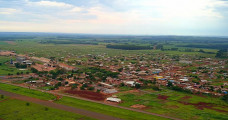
<point x="27" y="104"/>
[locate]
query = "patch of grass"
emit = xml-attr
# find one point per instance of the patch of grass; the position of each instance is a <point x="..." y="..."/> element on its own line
<point x="5" y="69"/>
<point x="27" y="92"/>
<point x="108" y="110"/>
<point x="13" y="109"/>
<point x="173" y="107"/>
<point x="91" y="106"/>
<point x="125" y="88"/>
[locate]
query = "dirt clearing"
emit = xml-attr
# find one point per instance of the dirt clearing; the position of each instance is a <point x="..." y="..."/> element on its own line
<point x="87" y="94"/>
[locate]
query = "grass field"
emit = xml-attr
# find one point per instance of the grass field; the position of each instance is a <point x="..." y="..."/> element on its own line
<point x="12" y="109"/>
<point x="96" y="107"/>
<point x="171" y="103"/>
<point x="74" y="50"/>
<point x="27" y="92"/>
<point x="6" y="68"/>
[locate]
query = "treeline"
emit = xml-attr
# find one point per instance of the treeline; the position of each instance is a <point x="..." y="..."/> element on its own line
<point x="222" y="53"/>
<point x="97" y="72"/>
<point x="69" y="42"/>
<point x="129" y="47"/>
<point x="208" y="46"/>
<point x="18" y="65"/>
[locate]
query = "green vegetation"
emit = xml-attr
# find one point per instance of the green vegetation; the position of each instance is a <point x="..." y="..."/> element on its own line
<point x="12" y="109"/>
<point x="96" y="107"/>
<point x="6" y="68"/>
<point x="105" y="109"/>
<point x="129" y="47"/>
<point x="177" y="104"/>
<point x="222" y="53"/>
<point x="27" y="92"/>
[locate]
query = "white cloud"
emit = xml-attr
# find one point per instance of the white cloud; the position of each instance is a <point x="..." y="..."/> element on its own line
<point x="8" y="11"/>
<point x="76" y="9"/>
<point x="118" y="16"/>
<point x="50" y="4"/>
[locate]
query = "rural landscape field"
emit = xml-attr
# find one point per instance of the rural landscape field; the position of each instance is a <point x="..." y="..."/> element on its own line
<point x="124" y="77"/>
<point x="114" y="60"/>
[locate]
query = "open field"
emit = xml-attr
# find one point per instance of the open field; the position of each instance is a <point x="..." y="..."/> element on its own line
<point x="178" y="104"/>
<point x="91" y="106"/>
<point x="27" y="92"/>
<point x="13" y="109"/>
<point x="5" y="69"/>
<point x="74" y="50"/>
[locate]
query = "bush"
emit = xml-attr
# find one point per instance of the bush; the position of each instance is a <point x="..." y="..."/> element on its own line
<point x="137" y="86"/>
<point x="27" y="104"/>
<point x="2" y="96"/>
<point x="82" y="88"/>
<point x="225" y="98"/>
<point x="46" y="109"/>
<point x="91" y="88"/>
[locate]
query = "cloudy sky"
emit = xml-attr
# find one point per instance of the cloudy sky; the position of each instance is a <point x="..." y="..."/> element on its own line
<point x="145" y="17"/>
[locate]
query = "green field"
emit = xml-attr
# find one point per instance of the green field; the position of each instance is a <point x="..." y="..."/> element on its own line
<point x="99" y="108"/>
<point x="173" y="105"/>
<point x="12" y="109"/>
<point x="75" y="50"/>
<point x="5" y="69"/>
<point x="27" y="92"/>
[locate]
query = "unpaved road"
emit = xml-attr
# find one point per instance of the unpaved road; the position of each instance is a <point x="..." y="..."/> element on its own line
<point x="132" y="109"/>
<point x="59" y="106"/>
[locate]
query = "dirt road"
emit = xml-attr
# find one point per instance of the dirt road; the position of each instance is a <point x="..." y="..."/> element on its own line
<point x="132" y="109"/>
<point x="59" y="106"/>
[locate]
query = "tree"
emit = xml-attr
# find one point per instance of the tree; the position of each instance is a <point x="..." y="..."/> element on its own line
<point x="202" y="51"/>
<point x="73" y="86"/>
<point x="122" y="84"/>
<point x="34" y="70"/>
<point x="120" y="69"/>
<point x="170" y="84"/>
<point x="225" y="98"/>
<point x="222" y="53"/>
<point x="211" y="88"/>
<point x="85" y="85"/>
<point x="91" y="88"/>
<point x="82" y="88"/>
<point x="27" y="104"/>
<point x="137" y="85"/>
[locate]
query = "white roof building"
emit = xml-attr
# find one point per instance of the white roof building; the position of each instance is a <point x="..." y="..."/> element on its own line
<point x="114" y="99"/>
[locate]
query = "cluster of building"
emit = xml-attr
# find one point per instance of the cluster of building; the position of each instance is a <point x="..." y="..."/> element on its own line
<point x="195" y="74"/>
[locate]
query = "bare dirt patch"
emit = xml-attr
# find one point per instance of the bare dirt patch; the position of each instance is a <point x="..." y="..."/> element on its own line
<point x="202" y="106"/>
<point x="11" y="42"/>
<point x="87" y="94"/>
<point x="186" y="97"/>
<point x="173" y="106"/>
<point x="163" y="97"/>
<point x="138" y="106"/>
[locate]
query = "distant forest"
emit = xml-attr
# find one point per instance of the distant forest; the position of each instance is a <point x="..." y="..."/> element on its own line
<point x="129" y="47"/>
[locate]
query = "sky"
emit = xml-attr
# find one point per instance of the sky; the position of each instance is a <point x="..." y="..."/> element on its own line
<point x="132" y="17"/>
